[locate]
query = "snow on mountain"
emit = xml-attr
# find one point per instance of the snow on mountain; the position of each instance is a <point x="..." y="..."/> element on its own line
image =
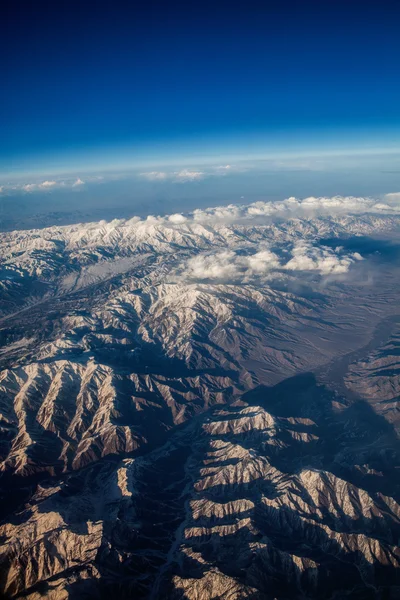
<point x="203" y="405"/>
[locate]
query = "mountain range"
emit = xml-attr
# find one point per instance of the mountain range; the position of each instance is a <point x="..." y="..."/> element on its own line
<point x="203" y="405"/>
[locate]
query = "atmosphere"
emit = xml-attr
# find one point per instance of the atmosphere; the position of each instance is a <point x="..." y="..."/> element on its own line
<point x="117" y="85"/>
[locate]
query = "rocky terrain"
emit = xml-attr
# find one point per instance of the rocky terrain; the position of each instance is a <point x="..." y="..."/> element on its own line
<point x="203" y="406"/>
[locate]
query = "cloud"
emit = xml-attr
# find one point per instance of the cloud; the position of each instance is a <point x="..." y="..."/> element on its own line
<point x="230" y="266"/>
<point x="290" y="219"/>
<point x="44" y="185"/>
<point x="393" y="197"/>
<point x="326" y="261"/>
<point x="155" y="175"/>
<point x="311" y="207"/>
<point x="293" y="217"/>
<point x="219" y="266"/>
<point x="187" y="175"/>
<point x="222" y="169"/>
<point x="178" y="176"/>
<point x="227" y="214"/>
<point x="47" y="185"/>
<point x="177" y="218"/>
<point x="261" y="262"/>
<point x="29" y="187"/>
<point x="392" y="201"/>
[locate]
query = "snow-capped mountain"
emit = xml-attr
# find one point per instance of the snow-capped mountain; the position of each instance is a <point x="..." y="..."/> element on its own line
<point x="203" y="405"/>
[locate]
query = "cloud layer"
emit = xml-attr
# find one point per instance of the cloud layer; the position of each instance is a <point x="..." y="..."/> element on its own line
<point x="43" y="186"/>
<point x="257" y="243"/>
<point x="287" y="210"/>
<point x="184" y="175"/>
<point x="310" y="207"/>
<point x="293" y="218"/>
<point x="177" y="176"/>
<point x="307" y="257"/>
<point x="229" y="266"/>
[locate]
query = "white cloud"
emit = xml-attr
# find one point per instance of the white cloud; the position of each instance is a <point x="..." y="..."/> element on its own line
<point x="177" y="218"/>
<point x="192" y="174"/>
<point x="393" y="197"/>
<point x="219" y="266"/>
<point x="155" y="175"/>
<point x="48" y="185"/>
<point x="289" y="210"/>
<point x="183" y="175"/>
<point x="52" y="184"/>
<point x="45" y="185"/>
<point x="261" y="262"/>
<point x="187" y="175"/>
<point x="230" y="266"/>
<point x="326" y="261"/>
<point x="29" y="187"/>
<point x="222" y="169"/>
<point x="392" y="201"/>
<point x="227" y="214"/>
<point x="310" y="207"/>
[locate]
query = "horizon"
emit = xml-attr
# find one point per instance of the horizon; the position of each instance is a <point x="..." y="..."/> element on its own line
<point x="97" y="88"/>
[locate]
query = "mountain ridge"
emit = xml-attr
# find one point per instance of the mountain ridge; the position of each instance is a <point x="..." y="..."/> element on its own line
<point x="203" y="405"/>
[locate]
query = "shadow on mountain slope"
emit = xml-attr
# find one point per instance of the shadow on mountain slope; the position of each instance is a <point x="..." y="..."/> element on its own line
<point x="277" y="552"/>
<point x="265" y="553"/>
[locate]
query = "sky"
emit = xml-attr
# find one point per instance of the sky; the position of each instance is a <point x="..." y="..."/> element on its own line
<point x="99" y="87"/>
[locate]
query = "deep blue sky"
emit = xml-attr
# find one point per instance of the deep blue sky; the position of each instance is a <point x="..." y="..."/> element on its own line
<point x="153" y="79"/>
